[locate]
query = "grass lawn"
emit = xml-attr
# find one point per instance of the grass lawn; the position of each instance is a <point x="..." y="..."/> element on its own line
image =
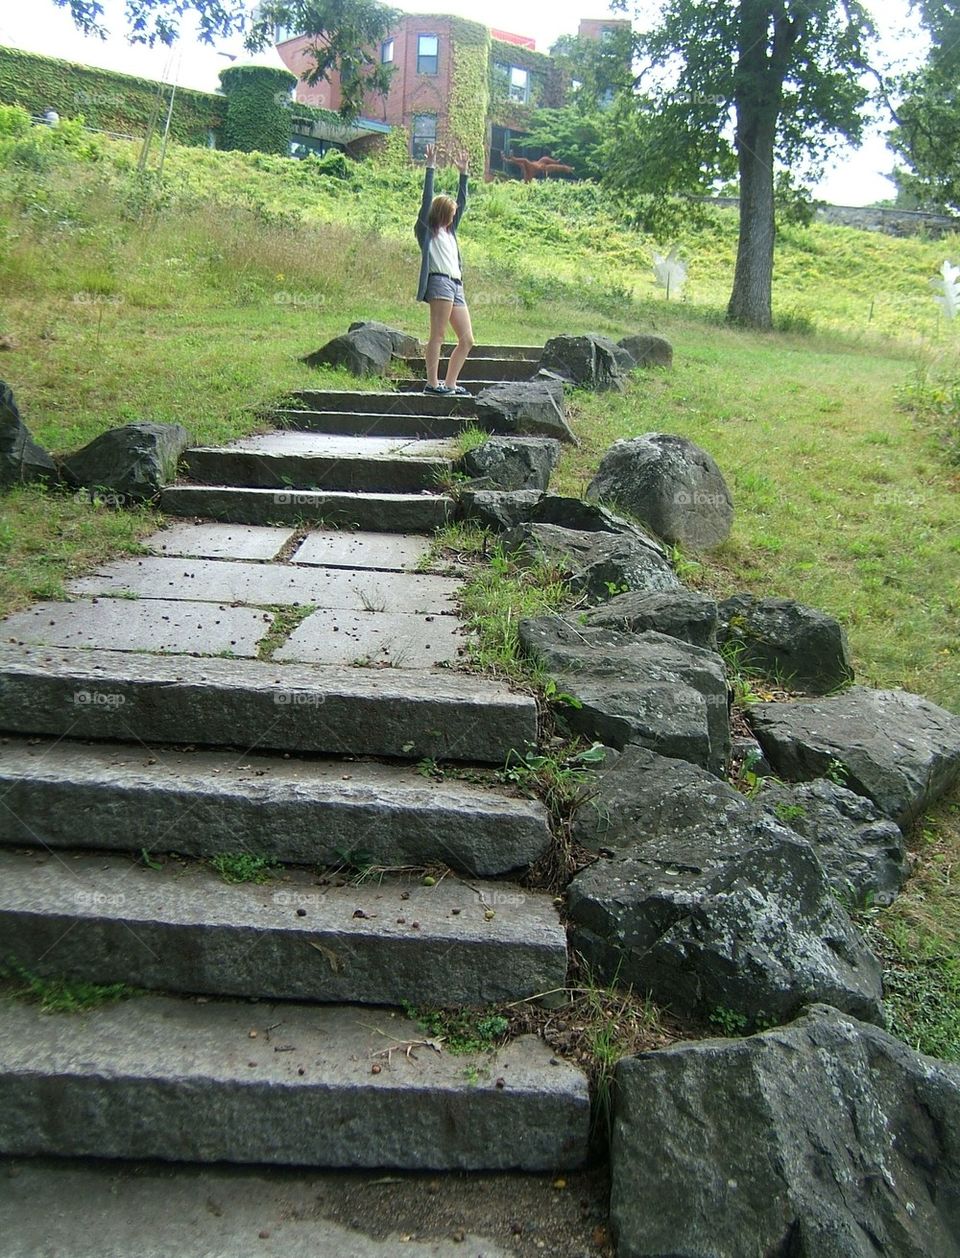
<point x="193" y="302"/>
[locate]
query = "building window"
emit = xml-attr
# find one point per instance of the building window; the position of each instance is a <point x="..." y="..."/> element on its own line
<point x="386" y="52"/>
<point x="519" y="84"/>
<point x="424" y="133"/>
<point x="428" y="54"/>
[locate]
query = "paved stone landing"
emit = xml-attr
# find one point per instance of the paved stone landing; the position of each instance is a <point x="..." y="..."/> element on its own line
<point x="160" y="624"/>
<point x="375" y="638"/>
<point x="219" y="541"/>
<point x="339" y="549"/>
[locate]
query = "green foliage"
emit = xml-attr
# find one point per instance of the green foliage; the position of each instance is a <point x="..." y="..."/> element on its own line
<point x="602" y="67"/>
<point x="62" y="995"/>
<point x="469" y="91"/>
<point x="244" y="867"/>
<point x="932" y="396"/>
<point x="571" y="136"/>
<point x="157" y="21"/>
<point x="258" y="109"/>
<point x="462" y="1031"/>
<point x="346" y="37"/>
<point x="107" y="99"/>
<point x="557" y="776"/>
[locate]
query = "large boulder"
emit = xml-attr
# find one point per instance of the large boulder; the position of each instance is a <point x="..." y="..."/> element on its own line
<point x="497" y="509"/>
<point x="681" y="614"/>
<point x="669" y="483"/>
<point x="512" y="462"/>
<point x="862" y="851"/>
<point x="647" y="689"/>
<point x="21" y="458"/>
<point x="590" y="362"/>
<point x="648" y="351"/>
<point x="898" y="749"/>
<point x="533" y="408"/>
<point x="598" y="564"/>
<point x="367" y="351"/>
<point x="804" y="647"/>
<point x="828" y="1138"/>
<point x="402" y="344"/>
<point x="707" y="902"/>
<point x="134" y="462"/>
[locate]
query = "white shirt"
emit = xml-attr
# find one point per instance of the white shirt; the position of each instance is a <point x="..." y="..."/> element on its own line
<point x="443" y="254"/>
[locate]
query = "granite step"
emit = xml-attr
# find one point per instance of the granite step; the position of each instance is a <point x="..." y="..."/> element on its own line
<point x="167" y="1078"/>
<point x="292" y="460"/>
<point x="372" y="424"/>
<point x="379" y="512"/>
<point x="408" y="714"/>
<point x="383" y="403"/>
<point x="533" y="352"/>
<point x="181" y="928"/>
<point x="476" y="368"/>
<point x="65" y="794"/>
<point x="410" y="387"/>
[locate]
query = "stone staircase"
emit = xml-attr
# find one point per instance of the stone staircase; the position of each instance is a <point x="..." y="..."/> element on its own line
<point x="262" y="684"/>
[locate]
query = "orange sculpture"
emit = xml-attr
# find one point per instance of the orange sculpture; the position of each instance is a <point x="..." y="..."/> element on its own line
<point x="544" y="166"/>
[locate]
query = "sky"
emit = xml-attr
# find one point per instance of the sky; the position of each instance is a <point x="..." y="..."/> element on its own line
<point x="854" y="177"/>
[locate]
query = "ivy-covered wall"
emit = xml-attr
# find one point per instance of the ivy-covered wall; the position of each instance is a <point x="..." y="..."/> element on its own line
<point x="258" y="109"/>
<point x="546" y="84"/>
<point x="106" y="99"/>
<point x="470" y="90"/>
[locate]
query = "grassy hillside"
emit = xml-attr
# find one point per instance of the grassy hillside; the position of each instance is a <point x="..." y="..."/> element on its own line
<point x="192" y="300"/>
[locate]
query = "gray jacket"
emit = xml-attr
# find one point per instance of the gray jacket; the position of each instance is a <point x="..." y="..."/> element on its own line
<point x="422" y="227"/>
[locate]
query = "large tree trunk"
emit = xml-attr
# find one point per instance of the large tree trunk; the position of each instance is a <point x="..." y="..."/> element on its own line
<point x="751" y="299"/>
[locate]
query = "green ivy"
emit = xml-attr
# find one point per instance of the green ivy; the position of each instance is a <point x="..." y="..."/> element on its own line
<point x="258" y="109"/>
<point x="546" y="85"/>
<point x="470" y="89"/>
<point x="106" y="99"/>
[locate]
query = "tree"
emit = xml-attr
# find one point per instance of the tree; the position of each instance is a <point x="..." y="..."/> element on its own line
<point x="737" y="87"/>
<point x="346" y="33"/>
<point x="570" y="135"/>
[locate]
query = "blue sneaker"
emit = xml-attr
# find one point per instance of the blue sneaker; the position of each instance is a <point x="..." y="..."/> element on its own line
<point x="458" y="390"/>
<point x="437" y="388"/>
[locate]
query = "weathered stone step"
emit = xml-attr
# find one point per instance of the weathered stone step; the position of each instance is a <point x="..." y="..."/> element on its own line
<point x="534" y="352"/>
<point x="385" y="403"/>
<point x="387" y="513"/>
<point x="383" y="941"/>
<point x="372" y="424"/>
<point x="156" y="1077"/>
<point x="408" y="387"/>
<point x="65" y="794"/>
<point x="483" y="368"/>
<point x="290" y="460"/>
<point x="252" y="704"/>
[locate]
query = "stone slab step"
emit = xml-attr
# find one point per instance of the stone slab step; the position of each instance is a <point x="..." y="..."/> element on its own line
<point x="405" y="713"/>
<point x="410" y="387"/>
<point x="105" y="919"/>
<point x="289" y="460"/>
<point x="390" y="424"/>
<point x="389" y="513"/>
<point x="65" y="794"/>
<point x="329" y="548"/>
<point x="385" y="403"/>
<point x="157" y="1077"/>
<point x="534" y="352"/>
<point x="483" y="368"/>
<point x="219" y="541"/>
<point x="266" y="584"/>
<point x="376" y="640"/>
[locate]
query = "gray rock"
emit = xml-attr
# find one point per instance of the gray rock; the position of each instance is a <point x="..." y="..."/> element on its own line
<point x="708" y="903"/>
<point x="513" y="462"/>
<point x="590" y="517"/>
<point x="898" y="749"/>
<point x="782" y="638"/>
<point x="135" y="461"/>
<point x="590" y="362"/>
<point x="648" y="351"/>
<point x="497" y="509"/>
<point x="681" y="614"/>
<point x="402" y="344"/>
<point x="599" y="564"/>
<point x="827" y="1138"/>
<point x="862" y="851"/>
<point x="532" y="408"/>
<point x="648" y="689"/>
<point x="367" y="351"/>
<point x="669" y="483"/>
<point x="21" y="458"/>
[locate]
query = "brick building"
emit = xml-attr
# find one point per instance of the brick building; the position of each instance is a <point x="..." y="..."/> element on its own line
<point x="429" y="52"/>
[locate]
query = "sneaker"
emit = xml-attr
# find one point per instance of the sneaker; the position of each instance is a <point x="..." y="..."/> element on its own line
<point x="458" y="390"/>
<point x="437" y="388"/>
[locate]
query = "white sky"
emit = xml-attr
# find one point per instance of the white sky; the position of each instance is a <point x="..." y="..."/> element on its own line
<point x="856" y="178"/>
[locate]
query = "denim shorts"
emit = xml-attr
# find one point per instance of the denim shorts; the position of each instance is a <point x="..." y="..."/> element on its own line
<point x="443" y="288"/>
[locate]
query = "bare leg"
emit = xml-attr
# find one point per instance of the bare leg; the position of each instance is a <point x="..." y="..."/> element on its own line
<point x="439" y="318"/>
<point x="460" y="322"/>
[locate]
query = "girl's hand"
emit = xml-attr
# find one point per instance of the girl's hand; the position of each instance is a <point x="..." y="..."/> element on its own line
<point x="431" y="154"/>
<point x="462" y="162"/>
